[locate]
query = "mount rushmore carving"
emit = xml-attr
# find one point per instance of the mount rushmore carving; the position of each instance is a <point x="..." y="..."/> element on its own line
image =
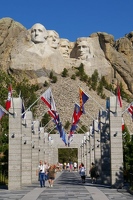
<point x="37" y="49"/>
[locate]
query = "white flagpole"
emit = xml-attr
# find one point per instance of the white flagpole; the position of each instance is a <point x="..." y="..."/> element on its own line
<point x="88" y="96"/>
<point x="30" y="106"/>
<point x="124" y="111"/>
<point x="47" y="123"/>
<point x="126" y="108"/>
<point x="52" y="130"/>
<point x="96" y="102"/>
<point x="4" y="110"/>
<point x="80" y="128"/>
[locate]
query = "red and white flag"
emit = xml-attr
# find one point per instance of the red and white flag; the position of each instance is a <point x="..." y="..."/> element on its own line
<point x="119" y="100"/>
<point x="8" y="101"/>
<point x="130" y="109"/>
<point x="48" y="99"/>
<point x="123" y="124"/>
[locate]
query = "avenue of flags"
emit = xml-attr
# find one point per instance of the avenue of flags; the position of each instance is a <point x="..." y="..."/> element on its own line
<point x="79" y="110"/>
<point x="47" y="98"/>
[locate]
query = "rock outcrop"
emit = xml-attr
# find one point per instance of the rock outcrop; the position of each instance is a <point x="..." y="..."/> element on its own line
<point x="112" y="59"/>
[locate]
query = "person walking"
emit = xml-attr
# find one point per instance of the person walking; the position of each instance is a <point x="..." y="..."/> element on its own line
<point x="51" y="174"/>
<point x="92" y="172"/>
<point x="41" y="173"/>
<point x="75" y="166"/>
<point x="82" y="173"/>
<point x="70" y="166"/>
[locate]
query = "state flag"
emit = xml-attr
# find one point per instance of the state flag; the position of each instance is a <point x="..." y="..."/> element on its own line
<point x="83" y="98"/>
<point x="48" y="99"/>
<point x="8" y="102"/>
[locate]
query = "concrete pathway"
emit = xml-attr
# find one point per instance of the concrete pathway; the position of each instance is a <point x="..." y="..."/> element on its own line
<point x="67" y="186"/>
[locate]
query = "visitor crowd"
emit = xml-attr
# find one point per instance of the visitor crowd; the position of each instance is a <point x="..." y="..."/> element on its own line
<point x="47" y="172"/>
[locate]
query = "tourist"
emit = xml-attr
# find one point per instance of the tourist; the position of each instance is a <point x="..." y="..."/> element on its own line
<point x="64" y="165"/>
<point x="41" y="173"/>
<point x="51" y="175"/>
<point x="67" y="166"/>
<point x="70" y="166"/>
<point x="82" y="173"/>
<point x="75" y="166"/>
<point x="92" y="172"/>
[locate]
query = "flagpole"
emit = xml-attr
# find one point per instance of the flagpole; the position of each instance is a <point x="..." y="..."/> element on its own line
<point x="89" y="96"/>
<point x="30" y="106"/>
<point x="81" y="128"/>
<point x="124" y="111"/>
<point x="47" y="124"/>
<point x="43" y="115"/>
<point x="7" y="112"/>
<point x="90" y="115"/>
<point x="126" y="108"/>
<point x="52" y="130"/>
<point x="93" y="99"/>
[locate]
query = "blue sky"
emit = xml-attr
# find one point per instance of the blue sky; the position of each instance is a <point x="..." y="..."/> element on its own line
<point x="73" y="18"/>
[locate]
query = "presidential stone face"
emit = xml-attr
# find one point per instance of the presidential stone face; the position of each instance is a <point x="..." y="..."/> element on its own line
<point x="83" y="49"/>
<point x="38" y="33"/>
<point x="64" y="47"/>
<point x="53" y="39"/>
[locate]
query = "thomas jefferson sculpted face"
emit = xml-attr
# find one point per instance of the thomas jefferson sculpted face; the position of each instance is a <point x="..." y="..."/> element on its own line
<point x="38" y="33"/>
<point x="53" y="39"/>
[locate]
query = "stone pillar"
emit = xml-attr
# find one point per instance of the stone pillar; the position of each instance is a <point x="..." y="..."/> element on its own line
<point x="97" y="146"/>
<point x="88" y="154"/>
<point x="116" y="143"/>
<point x="35" y="149"/>
<point x="15" y="145"/>
<point x="46" y="147"/>
<point x="85" y="151"/>
<point x="41" y="144"/>
<point x="79" y="156"/>
<point x="82" y="152"/>
<point x="91" y="144"/>
<point x="50" y="147"/>
<point x="105" y="173"/>
<point x="26" y="149"/>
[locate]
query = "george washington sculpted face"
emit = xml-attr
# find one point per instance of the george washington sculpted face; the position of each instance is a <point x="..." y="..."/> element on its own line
<point x="38" y="33"/>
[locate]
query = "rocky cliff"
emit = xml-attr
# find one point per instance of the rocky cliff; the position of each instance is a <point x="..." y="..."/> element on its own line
<point x="113" y="59"/>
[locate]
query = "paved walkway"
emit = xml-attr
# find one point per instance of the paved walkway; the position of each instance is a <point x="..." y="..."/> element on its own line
<point x="67" y="186"/>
